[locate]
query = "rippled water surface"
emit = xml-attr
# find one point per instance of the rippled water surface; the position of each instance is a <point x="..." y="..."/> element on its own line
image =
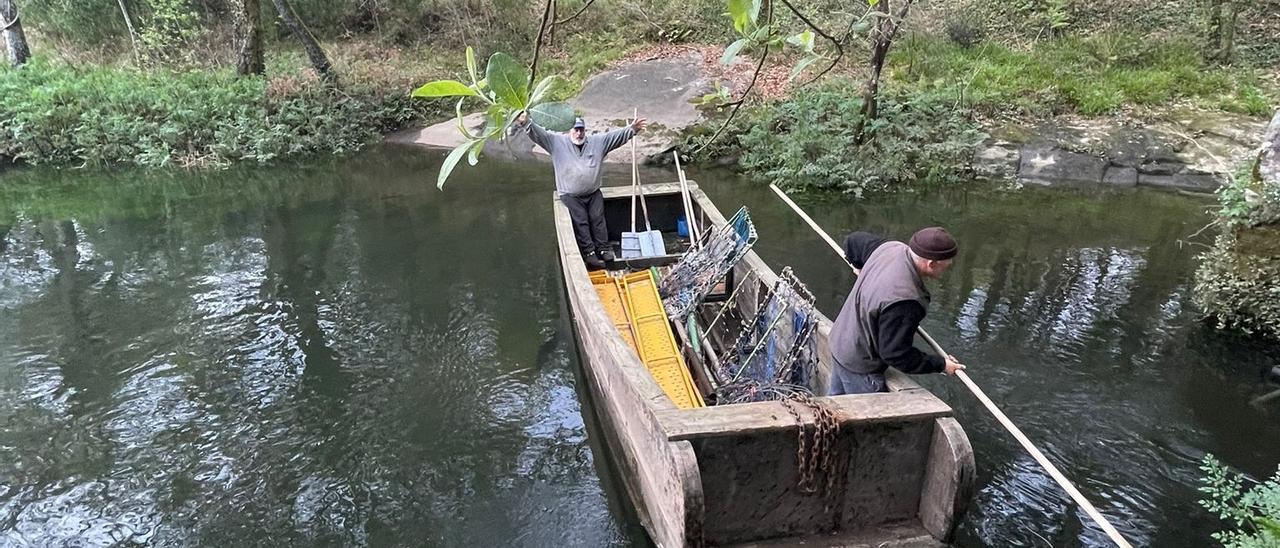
<point x="338" y="354"/>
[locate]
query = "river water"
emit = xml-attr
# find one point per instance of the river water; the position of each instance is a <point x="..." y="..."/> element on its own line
<point x="337" y="353"/>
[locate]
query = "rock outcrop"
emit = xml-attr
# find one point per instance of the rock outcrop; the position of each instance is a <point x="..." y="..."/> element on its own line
<point x="1186" y="151"/>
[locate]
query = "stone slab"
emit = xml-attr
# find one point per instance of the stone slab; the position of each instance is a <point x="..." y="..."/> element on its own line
<point x="1048" y="165"/>
<point x="1120" y="176"/>
<point x="1195" y="182"/>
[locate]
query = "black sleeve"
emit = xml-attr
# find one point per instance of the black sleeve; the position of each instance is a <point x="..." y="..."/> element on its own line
<point x="858" y="247"/>
<point x="897" y="330"/>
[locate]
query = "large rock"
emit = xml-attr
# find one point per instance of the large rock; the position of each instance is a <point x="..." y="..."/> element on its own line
<point x="659" y="89"/>
<point x="1269" y="154"/>
<point x="1183" y="150"/>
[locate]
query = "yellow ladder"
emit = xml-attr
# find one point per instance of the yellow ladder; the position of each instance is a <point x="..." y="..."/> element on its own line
<point x="633" y="304"/>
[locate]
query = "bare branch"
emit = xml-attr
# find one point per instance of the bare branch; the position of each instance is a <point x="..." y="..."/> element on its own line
<point x="537" y="45"/>
<point x="737" y="105"/>
<point x="579" y="12"/>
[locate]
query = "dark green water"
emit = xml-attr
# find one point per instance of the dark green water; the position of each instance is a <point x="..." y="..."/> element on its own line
<point x="339" y="354"/>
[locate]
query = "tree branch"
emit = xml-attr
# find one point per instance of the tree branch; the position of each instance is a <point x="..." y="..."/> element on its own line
<point x="737" y="105"/>
<point x="537" y="45"/>
<point x="571" y="17"/>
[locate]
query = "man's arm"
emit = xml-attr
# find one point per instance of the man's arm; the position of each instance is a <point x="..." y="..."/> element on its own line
<point x="896" y="333"/>
<point x="537" y="134"/>
<point x="858" y="247"/>
<point x="620" y="136"/>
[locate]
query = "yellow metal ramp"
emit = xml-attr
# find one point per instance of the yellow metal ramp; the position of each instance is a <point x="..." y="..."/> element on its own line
<point x="633" y="304"/>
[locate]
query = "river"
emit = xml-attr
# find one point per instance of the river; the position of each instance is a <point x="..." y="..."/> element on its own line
<point x="336" y="353"/>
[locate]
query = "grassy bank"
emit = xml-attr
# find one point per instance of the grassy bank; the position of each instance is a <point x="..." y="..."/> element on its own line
<point x="1089" y="75"/>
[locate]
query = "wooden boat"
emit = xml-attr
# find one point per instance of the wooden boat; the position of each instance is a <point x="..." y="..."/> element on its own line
<point x="728" y="474"/>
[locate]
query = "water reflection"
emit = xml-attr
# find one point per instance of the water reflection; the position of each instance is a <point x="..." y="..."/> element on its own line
<point x="339" y="354"/>
<point x="347" y="358"/>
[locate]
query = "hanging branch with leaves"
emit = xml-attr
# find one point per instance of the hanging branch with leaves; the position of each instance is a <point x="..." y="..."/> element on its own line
<point x="505" y="92"/>
<point x="766" y="35"/>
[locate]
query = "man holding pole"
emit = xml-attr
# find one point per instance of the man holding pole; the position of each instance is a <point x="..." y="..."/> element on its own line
<point x="877" y="325"/>
<point x="578" y="161"/>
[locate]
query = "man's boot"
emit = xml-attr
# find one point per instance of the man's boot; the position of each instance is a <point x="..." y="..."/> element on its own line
<point x="593" y="262"/>
<point x="606" y="253"/>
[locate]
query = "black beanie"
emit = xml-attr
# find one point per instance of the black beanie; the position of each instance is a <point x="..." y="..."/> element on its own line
<point x="933" y="243"/>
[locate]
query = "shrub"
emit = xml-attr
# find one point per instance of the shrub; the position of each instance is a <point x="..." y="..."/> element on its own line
<point x="1255" y="513"/>
<point x="57" y="114"/>
<point x="811" y="140"/>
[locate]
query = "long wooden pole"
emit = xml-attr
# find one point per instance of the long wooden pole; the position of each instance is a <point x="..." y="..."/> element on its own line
<point x="982" y="397"/>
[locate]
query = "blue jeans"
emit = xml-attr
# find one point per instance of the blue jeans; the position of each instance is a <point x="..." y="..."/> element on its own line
<point x="844" y="381"/>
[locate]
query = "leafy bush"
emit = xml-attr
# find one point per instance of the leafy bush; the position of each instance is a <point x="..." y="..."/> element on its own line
<point x="1239" y="290"/>
<point x="811" y="140"/>
<point x="1254" y="513"/>
<point x="57" y="114"/>
<point x="1090" y="75"/>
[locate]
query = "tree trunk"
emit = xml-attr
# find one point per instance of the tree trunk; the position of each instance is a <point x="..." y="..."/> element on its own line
<point x="319" y="61"/>
<point x="250" y="58"/>
<point x="15" y="40"/>
<point x="1220" y="36"/>
<point x="133" y="32"/>
<point x="886" y="29"/>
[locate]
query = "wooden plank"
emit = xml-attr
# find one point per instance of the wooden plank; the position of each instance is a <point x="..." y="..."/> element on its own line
<point x="948" y="481"/>
<point x="759" y="417"/>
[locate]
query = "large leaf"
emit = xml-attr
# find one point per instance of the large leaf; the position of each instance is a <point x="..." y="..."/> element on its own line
<point x="546" y="86"/>
<point x="445" y="88"/>
<point x="451" y="161"/>
<point x="472" y="67"/>
<point x="557" y="116"/>
<point x="733" y="49"/>
<point x="509" y="80"/>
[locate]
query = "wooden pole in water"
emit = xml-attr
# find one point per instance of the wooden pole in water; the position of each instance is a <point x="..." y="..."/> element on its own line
<point x="982" y="397"/>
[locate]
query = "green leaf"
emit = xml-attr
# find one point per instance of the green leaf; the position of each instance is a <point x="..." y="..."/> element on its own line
<point x="496" y="121"/>
<point x="450" y="162"/>
<point x="733" y="49"/>
<point x="471" y="67"/>
<point x="509" y="80"/>
<point x="477" y="147"/>
<point x="557" y="116"/>
<point x="761" y="34"/>
<point x="445" y="88"/>
<point x="462" y="127"/>
<point x="547" y="85"/>
<point x="804" y="40"/>
<point x="740" y="13"/>
<point x="803" y="64"/>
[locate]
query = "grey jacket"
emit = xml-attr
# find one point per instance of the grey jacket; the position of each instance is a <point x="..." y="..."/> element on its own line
<point x="888" y="277"/>
<point x="578" y="169"/>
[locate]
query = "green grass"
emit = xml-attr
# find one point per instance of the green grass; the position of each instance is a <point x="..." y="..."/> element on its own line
<point x="1089" y="75"/>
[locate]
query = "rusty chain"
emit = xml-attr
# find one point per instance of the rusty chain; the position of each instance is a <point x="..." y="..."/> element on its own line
<point x="816" y="446"/>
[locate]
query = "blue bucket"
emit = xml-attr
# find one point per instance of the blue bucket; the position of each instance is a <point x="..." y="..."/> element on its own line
<point x="682" y="226"/>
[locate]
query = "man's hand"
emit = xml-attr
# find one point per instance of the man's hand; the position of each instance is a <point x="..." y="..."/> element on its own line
<point x="953" y="365"/>
<point x="639" y="124"/>
<point x="522" y="118"/>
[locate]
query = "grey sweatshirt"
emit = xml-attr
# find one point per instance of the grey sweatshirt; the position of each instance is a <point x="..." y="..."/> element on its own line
<point x="578" y="168"/>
